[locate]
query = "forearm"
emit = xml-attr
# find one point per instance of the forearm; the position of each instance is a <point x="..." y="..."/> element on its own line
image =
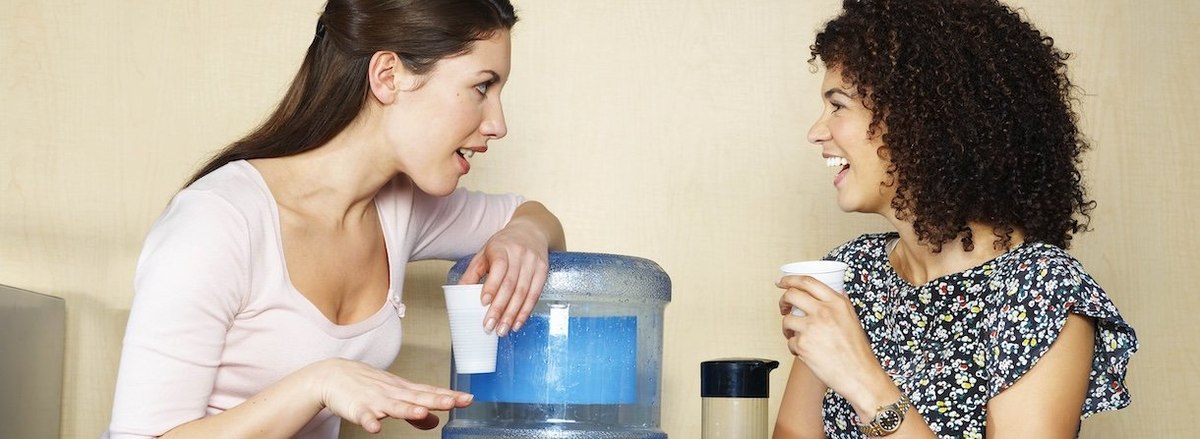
<point x="800" y="409"/>
<point x="279" y="411"/>
<point x="535" y="215"/>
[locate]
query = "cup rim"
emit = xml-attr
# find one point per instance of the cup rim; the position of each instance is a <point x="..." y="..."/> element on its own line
<point x="461" y="286"/>
<point x="814" y="267"/>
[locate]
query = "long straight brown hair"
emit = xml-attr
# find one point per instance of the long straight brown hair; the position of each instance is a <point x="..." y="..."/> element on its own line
<point x="331" y="86"/>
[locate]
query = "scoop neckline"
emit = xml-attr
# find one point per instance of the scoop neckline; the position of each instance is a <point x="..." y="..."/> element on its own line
<point x="306" y="306"/>
<point x="888" y="247"/>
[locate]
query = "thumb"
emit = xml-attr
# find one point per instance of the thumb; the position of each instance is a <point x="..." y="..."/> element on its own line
<point x="476" y="269"/>
<point x="369" y="423"/>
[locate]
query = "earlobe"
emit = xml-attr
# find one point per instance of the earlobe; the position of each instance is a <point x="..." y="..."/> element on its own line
<point x="388" y="76"/>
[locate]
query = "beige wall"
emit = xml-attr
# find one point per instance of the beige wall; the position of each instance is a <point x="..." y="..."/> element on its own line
<point x="664" y="129"/>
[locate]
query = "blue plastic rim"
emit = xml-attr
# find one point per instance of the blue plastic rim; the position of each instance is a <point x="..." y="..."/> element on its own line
<point x="596" y="276"/>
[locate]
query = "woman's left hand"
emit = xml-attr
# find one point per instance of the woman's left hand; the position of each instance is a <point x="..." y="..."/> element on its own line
<point x="829" y="339"/>
<point x="516" y="262"/>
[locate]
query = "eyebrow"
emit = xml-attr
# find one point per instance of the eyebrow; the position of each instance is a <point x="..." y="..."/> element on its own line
<point x="495" y="76"/>
<point x="837" y="90"/>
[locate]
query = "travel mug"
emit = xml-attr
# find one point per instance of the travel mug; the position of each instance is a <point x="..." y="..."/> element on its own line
<point x="733" y="394"/>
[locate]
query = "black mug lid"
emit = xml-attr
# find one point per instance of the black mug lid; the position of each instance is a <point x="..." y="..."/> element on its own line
<point x="736" y="378"/>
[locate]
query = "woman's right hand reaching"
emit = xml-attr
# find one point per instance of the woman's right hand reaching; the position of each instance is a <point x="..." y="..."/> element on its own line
<point x="365" y="395"/>
<point x="352" y="390"/>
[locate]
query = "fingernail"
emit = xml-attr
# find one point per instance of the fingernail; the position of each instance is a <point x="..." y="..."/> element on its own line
<point x="486" y="300"/>
<point x="446" y="400"/>
<point x="517" y="326"/>
<point x="489" y="325"/>
<point x="503" y="331"/>
<point x="466" y="397"/>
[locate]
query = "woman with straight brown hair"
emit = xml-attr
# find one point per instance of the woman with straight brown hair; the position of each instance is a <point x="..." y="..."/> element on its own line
<point x="268" y="296"/>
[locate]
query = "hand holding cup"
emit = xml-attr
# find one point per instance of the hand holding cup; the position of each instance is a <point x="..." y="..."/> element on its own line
<point x="830" y="273"/>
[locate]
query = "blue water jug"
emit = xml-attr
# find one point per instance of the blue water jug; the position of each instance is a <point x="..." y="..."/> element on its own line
<point x="587" y="363"/>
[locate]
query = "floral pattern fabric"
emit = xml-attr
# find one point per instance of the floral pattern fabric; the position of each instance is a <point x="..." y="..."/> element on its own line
<point x="957" y="341"/>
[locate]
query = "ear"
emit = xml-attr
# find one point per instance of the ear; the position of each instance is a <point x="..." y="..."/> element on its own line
<point x="388" y="76"/>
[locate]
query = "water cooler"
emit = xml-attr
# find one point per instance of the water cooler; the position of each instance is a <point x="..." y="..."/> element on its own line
<point x="587" y="363"/>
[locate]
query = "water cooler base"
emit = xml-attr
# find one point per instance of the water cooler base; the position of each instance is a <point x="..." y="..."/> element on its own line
<point x="550" y="433"/>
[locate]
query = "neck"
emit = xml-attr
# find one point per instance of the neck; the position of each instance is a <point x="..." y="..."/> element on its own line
<point x="336" y="181"/>
<point x="917" y="263"/>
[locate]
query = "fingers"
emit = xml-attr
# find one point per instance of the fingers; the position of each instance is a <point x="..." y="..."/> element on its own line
<point x="799" y="299"/>
<point x="793" y="345"/>
<point x="420" y="403"/>
<point x="496" y="291"/>
<point x="513" y="266"/>
<point x="514" y="283"/>
<point x="365" y="395"/>
<point x="794" y="325"/>
<point x="785" y="307"/>
<point x="535" y="292"/>
<point x="418" y="417"/>
<point x="414" y="406"/>
<point x="459" y="397"/>
<point x="497" y="265"/>
<point x="810" y="284"/>
<point x="514" y="302"/>
<point x="426" y="423"/>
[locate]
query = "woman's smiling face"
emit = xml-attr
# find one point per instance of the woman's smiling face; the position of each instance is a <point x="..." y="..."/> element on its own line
<point x="842" y="132"/>
<point x="451" y="115"/>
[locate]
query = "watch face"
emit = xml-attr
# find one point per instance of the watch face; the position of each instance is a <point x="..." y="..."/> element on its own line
<point x="889" y="420"/>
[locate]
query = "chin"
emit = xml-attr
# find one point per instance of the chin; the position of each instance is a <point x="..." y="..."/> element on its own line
<point x="851" y="206"/>
<point x="845" y="205"/>
<point x="438" y="188"/>
<point x="441" y="192"/>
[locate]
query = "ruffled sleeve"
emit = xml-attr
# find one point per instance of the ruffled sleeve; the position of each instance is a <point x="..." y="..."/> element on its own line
<point x="1031" y="311"/>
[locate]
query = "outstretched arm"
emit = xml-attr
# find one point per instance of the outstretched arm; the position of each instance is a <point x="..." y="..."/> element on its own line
<point x="351" y="390"/>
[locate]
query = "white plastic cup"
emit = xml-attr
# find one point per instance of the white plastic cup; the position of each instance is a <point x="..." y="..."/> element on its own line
<point x="474" y="348"/>
<point x="831" y="273"/>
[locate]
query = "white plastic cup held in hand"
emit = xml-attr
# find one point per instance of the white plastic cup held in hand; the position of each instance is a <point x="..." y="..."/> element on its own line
<point x="474" y="348"/>
<point x="830" y="273"/>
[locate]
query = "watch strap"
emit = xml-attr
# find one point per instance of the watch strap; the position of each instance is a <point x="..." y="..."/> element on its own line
<point x="887" y="418"/>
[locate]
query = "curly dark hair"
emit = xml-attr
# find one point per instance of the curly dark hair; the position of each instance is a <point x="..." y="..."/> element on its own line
<point x="974" y="103"/>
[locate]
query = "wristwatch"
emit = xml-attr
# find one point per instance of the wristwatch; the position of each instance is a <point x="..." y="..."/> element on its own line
<point x="887" y="419"/>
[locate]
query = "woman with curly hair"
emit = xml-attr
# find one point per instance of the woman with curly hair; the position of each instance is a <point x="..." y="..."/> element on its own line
<point x="952" y="119"/>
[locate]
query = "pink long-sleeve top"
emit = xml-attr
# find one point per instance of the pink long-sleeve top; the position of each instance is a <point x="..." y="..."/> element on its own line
<point x="215" y="318"/>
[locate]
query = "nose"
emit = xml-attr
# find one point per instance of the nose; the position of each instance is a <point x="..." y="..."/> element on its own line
<point x="819" y="132"/>
<point x="493" y="125"/>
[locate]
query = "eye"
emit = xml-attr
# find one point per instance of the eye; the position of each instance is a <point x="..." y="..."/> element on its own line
<point x="482" y="88"/>
<point x="836" y="106"/>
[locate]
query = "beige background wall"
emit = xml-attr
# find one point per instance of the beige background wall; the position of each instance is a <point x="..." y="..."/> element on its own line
<point x="663" y="129"/>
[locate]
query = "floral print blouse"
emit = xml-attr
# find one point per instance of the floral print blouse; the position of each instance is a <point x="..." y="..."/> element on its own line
<point x="957" y="341"/>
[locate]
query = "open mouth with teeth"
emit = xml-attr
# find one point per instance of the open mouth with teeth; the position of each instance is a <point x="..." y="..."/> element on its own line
<point x="838" y="162"/>
<point x="465" y="152"/>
